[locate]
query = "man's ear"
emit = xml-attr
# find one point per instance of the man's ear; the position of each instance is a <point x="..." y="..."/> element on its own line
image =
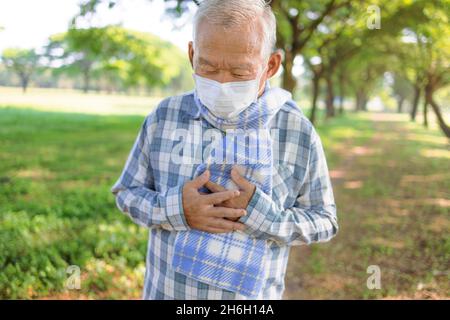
<point x="274" y="63"/>
<point x="191" y="53"/>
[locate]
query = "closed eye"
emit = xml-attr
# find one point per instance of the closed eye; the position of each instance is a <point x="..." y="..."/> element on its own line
<point x="241" y="76"/>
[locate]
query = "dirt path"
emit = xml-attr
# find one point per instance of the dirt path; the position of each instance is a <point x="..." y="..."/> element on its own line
<point x="392" y="197"/>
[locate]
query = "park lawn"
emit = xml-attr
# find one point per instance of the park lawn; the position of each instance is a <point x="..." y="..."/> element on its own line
<point x="391" y="180"/>
<point x="56" y="209"/>
<point x="72" y="101"/>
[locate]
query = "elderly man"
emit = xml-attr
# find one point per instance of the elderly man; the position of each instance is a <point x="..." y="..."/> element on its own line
<point x="222" y="215"/>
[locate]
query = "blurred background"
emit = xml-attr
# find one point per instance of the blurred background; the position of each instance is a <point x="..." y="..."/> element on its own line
<point x="78" y="77"/>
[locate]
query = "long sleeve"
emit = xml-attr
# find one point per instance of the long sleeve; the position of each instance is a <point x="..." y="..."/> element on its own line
<point x="134" y="190"/>
<point x="313" y="216"/>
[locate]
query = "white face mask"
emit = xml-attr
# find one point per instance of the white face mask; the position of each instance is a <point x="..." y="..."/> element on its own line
<point x="226" y="100"/>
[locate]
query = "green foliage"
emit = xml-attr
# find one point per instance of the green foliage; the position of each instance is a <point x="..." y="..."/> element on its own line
<point x="56" y="209"/>
<point x="22" y="62"/>
<point x="19" y="59"/>
<point x="121" y="57"/>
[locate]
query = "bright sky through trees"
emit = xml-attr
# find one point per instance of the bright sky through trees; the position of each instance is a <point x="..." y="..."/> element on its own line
<point x="28" y="23"/>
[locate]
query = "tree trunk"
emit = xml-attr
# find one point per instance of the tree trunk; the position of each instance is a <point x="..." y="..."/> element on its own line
<point x="364" y="103"/>
<point x="425" y="113"/>
<point x="415" y="104"/>
<point x="24" y="84"/>
<point x="341" y="95"/>
<point x="330" y="95"/>
<point x="315" y="94"/>
<point x="289" y="82"/>
<point x="400" y="101"/>
<point x="361" y="100"/>
<point x="429" y="99"/>
<point x="357" y="101"/>
<point x="86" y="81"/>
<point x="86" y="67"/>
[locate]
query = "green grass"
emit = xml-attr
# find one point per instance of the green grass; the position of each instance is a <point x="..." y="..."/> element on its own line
<point x="68" y="100"/>
<point x="393" y="207"/>
<point x="55" y="205"/>
<point x="56" y="210"/>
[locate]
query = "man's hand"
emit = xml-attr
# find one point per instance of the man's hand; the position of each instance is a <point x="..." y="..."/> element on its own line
<point x="201" y="213"/>
<point x="247" y="189"/>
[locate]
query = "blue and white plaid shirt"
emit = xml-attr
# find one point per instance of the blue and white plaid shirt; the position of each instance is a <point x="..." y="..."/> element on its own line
<point x="301" y="209"/>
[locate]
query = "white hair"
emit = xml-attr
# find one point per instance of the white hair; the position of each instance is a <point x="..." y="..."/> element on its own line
<point x="232" y="13"/>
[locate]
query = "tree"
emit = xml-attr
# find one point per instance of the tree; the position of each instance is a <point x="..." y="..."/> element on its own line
<point x="22" y="62"/>
<point x="401" y="90"/>
<point x="434" y="37"/>
<point x="122" y="57"/>
<point x="364" y="71"/>
<point x="316" y="67"/>
<point x="352" y="57"/>
<point x="77" y="51"/>
<point x="408" y="39"/>
<point x="335" y="51"/>
<point x="298" y="22"/>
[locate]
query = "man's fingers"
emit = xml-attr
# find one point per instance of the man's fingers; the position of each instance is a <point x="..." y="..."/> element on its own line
<point x="242" y="183"/>
<point x="218" y="197"/>
<point x="200" y="181"/>
<point x="222" y="212"/>
<point x="226" y="224"/>
<point x="216" y="230"/>
<point x="214" y="187"/>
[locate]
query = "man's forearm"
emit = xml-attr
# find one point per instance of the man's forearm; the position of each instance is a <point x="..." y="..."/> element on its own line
<point x="149" y="208"/>
<point x="292" y="226"/>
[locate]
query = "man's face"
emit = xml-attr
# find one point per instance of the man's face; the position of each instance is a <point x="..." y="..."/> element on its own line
<point x="232" y="54"/>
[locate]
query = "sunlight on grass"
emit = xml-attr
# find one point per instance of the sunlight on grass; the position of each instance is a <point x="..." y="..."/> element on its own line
<point x="435" y="153"/>
<point x="382" y="242"/>
<point x="364" y="151"/>
<point x="35" y="173"/>
<point x="343" y="132"/>
<point x="439" y="224"/>
<point x="428" y="138"/>
<point x="407" y="179"/>
<point x="387" y="117"/>
<point x="353" y="184"/>
<point x="77" y="102"/>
